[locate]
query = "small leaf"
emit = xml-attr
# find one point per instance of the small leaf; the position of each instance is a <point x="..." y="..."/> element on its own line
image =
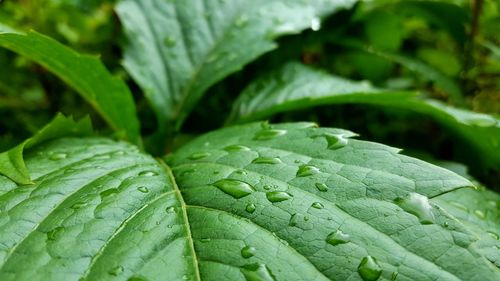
<point x="109" y="96"/>
<point x="12" y="162"/>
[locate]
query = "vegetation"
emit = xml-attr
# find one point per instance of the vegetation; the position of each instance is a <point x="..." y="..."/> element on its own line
<point x="215" y="140"/>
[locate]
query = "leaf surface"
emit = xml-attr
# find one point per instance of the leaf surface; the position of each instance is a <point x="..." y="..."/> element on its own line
<point x="281" y="202"/>
<point x="479" y="210"/>
<point x="177" y="49"/>
<point x="109" y="96"/>
<point x="295" y="86"/>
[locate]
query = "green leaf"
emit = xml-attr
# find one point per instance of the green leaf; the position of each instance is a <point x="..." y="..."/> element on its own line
<point x="329" y="208"/>
<point x="296" y="86"/>
<point x="109" y="96"/>
<point x="12" y="163"/>
<point x="177" y="49"/>
<point x="479" y="210"/>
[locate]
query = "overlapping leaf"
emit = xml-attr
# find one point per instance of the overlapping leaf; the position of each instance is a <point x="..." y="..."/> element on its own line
<point x="177" y="49"/>
<point x="296" y="86"/>
<point x="281" y="202"/>
<point x="109" y="96"/>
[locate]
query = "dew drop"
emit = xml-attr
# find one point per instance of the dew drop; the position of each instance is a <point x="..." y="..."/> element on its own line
<point x="187" y="172"/>
<point x="241" y="21"/>
<point x="235" y="188"/>
<point x="241" y="172"/>
<point x="268" y="134"/>
<point x="257" y="272"/>
<point x="337" y="237"/>
<point x="278" y="196"/>
<point x="369" y="269"/>
<point x="170" y="41"/>
<point x="250" y="208"/>
<point x="55" y="233"/>
<point x="267" y="160"/>
<point x="143" y="189"/>
<point x="236" y="147"/>
<point x="480" y="214"/>
<point x="108" y="192"/>
<point x="78" y="205"/>
<point x="307" y="170"/>
<point x="148" y="174"/>
<point x="493" y="235"/>
<point x="336" y="141"/>
<point x="118" y="153"/>
<point x="115" y="271"/>
<point x="321" y="187"/>
<point x="170" y="209"/>
<point x="136" y="278"/>
<point x="248" y="252"/>
<point x="317" y="205"/>
<point x="315" y="24"/>
<point x="417" y="205"/>
<point x="199" y="155"/>
<point x="58" y="156"/>
<point x="205" y="240"/>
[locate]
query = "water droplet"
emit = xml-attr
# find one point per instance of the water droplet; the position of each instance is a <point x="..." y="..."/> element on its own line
<point x="368" y="269"/>
<point x="278" y="196"/>
<point x="296" y="220"/>
<point x="267" y="160"/>
<point x="143" y="189"/>
<point x="267" y="187"/>
<point x="250" y="208"/>
<point x="493" y="234"/>
<point x="257" y="272"/>
<point x="170" y="209"/>
<point x="55" y="233"/>
<point x="198" y="155"/>
<point x="317" y="205"/>
<point x="268" y="134"/>
<point x="307" y="170"/>
<point x="148" y="174"/>
<point x="241" y="21"/>
<point x="118" y="153"/>
<point x="102" y="157"/>
<point x="136" y="278"/>
<point x="205" y="240"/>
<point x="187" y="172"/>
<point x="58" y="156"/>
<point x="248" y="252"/>
<point x="241" y="172"/>
<point x="321" y="186"/>
<point x="78" y="205"/>
<point x="115" y="271"/>
<point x="108" y="192"/>
<point x="236" y="147"/>
<point x="337" y="237"/>
<point x="480" y="214"/>
<point x="170" y="41"/>
<point x="417" y="205"/>
<point x="336" y="141"/>
<point x="235" y="188"/>
<point x="315" y="24"/>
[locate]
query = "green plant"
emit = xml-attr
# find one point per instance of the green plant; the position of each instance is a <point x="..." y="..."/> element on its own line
<point x="250" y="201"/>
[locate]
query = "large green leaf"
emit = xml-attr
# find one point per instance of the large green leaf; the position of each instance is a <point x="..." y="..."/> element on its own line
<point x="178" y="49"/>
<point x="109" y="96"/>
<point x="287" y="202"/>
<point x="296" y="86"/>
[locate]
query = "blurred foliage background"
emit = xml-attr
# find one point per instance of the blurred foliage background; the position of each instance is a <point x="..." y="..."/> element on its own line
<point x="448" y="49"/>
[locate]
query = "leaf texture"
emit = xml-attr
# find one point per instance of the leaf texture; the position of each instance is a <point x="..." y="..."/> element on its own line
<point x="252" y="202"/>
